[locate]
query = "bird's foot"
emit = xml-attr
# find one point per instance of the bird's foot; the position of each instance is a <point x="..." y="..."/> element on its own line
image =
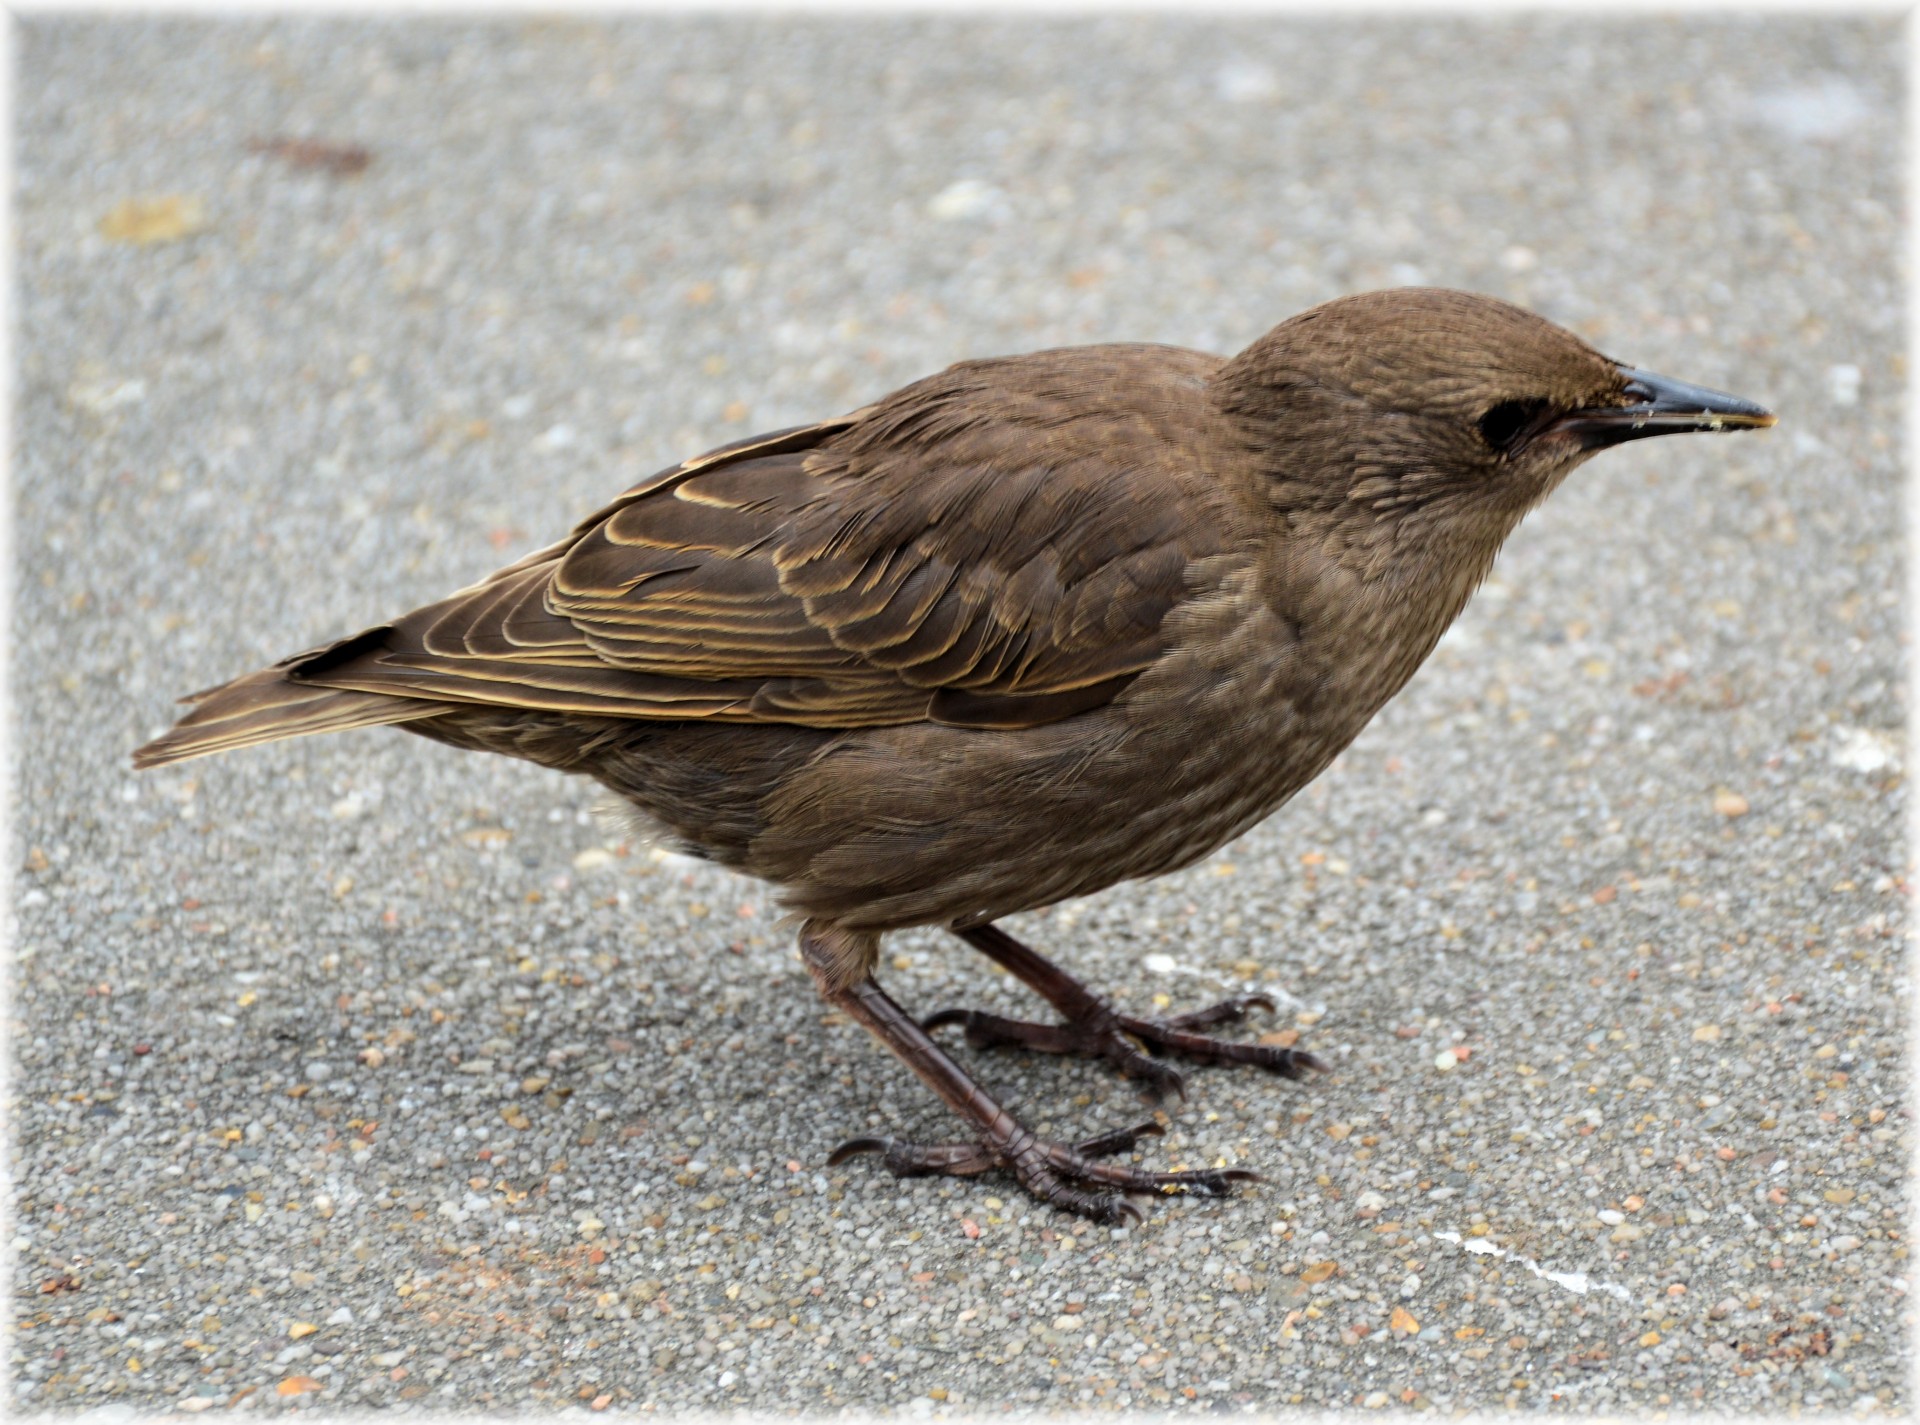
<point x="1094" y="1036"/>
<point x="1099" y="1031"/>
<point x="1070" y="1178"/>
<point x="1175" y="1035"/>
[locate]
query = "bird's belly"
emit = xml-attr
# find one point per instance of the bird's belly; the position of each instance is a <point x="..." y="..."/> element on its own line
<point x="925" y="824"/>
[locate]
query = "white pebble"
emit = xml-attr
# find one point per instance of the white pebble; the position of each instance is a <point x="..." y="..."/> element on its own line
<point x="106" y="394"/>
<point x="1825" y="109"/>
<point x="966" y="198"/>
<point x="1245" y="82"/>
<point x="1864" y="750"/>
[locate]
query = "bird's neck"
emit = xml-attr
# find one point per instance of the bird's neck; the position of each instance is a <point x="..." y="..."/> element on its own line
<point x="1375" y="599"/>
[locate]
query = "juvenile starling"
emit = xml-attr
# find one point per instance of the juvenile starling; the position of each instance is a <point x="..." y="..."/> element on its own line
<point x="1020" y="630"/>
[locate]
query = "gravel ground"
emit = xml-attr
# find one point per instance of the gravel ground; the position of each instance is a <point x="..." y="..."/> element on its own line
<point x="359" y="1072"/>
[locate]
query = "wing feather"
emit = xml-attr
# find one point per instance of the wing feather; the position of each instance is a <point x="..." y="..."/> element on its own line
<point x="997" y="546"/>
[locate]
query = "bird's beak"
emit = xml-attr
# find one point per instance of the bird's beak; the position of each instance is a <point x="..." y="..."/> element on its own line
<point x="1659" y="405"/>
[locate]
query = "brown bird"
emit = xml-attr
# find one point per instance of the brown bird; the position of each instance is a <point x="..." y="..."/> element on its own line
<point x="1020" y="630"/>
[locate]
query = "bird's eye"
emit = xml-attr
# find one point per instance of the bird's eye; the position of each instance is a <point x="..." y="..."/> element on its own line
<point x="1504" y="426"/>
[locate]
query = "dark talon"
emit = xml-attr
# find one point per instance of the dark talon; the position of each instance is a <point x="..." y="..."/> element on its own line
<point x="1230" y="1011"/>
<point x="940" y="1018"/>
<point x="1121" y="1140"/>
<point x="920" y="1160"/>
<point x="853" y="1147"/>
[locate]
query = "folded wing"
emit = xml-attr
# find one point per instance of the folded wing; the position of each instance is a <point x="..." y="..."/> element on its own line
<point x="996" y="546"/>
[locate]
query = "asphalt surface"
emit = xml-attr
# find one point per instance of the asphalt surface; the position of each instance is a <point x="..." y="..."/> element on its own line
<point x="358" y="1072"/>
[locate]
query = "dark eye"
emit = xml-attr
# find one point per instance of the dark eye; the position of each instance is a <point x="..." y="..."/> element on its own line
<point x="1504" y="426"/>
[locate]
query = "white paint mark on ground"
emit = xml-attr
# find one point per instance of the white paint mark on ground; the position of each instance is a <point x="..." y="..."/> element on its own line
<point x="1577" y="1282"/>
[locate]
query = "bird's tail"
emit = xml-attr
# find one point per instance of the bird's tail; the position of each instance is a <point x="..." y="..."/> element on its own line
<point x="266" y="706"/>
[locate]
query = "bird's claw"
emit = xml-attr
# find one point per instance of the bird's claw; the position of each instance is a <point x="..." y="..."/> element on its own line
<point x="1070" y="1178"/>
<point x="1228" y="1011"/>
<point x="1120" y="1039"/>
<point x="906" y="1159"/>
<point x="1097" y="1037"/>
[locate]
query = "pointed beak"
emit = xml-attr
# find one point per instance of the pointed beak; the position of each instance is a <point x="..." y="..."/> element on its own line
<point x="1659" y="405"/>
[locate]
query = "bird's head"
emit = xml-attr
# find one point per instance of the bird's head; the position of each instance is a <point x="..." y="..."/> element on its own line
<point x="1420" y="409"/>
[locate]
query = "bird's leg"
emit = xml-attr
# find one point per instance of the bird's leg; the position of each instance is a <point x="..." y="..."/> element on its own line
<point x="1096" y="1029"/>
<point x="1070" y="1177"/>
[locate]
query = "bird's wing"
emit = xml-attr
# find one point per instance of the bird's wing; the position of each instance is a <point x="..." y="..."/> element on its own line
<point x="973" y="550"/>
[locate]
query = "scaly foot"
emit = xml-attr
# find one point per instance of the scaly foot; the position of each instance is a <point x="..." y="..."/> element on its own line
<point x="1095" y="1029"/>
<point x="1069" y="1178"/>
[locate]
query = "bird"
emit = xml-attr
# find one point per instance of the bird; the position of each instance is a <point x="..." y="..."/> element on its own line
<point x="1019" y="631"/>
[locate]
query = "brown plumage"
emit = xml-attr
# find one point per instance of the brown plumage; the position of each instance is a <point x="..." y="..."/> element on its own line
<point x="1016" y="632"/>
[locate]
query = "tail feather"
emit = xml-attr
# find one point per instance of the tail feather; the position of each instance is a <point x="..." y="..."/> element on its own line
<point x="264" y="707"/>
